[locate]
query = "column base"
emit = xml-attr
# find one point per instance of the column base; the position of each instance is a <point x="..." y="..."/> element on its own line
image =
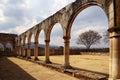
<point x="23" y="56"/>
<point x="29" y="58"/>
<point x="67" y="67"/>
<point x="48" y="61"/>
<point x="112" y="79"/>
<point x="36" y="59"/>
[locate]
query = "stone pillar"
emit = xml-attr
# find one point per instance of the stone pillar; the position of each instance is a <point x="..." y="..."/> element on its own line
<point x="36" y="51"/>
<point x="28" y="51"/>
<point x="66" y="52"/>
<point x="4" y="48"/>
<point x="114" y="60"/>
<point x="17" y="50"/>
<point x="47" y="60"/>
<point x="114" y="29"/>
<point x="20" y="51"/>
<point x="23" y="50"/>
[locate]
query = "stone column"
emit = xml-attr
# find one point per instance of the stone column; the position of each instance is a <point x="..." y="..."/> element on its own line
<point x="4" y="48"/>
<point x="47" y="60"/>
<point x="114" y="61"/>
<point x="23" y="50"/>
<point x="66" y="52"/>
<point x="28" y="51"/>
<point x="36" y="51"/>
<point x="16" y="50"/>
<point x="20" y="50"/>
<point x="114" y="29"/>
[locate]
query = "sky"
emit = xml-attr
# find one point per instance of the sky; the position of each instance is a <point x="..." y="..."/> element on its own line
<point x="17" y="16"/>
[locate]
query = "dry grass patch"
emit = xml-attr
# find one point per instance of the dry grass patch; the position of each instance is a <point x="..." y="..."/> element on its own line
<point x="87" y="62"/>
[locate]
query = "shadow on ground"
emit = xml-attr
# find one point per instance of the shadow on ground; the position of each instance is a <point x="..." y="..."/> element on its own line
<point x="11" y="71"/>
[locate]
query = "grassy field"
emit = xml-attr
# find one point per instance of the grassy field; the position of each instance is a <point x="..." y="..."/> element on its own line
<point x="87" y="62"/>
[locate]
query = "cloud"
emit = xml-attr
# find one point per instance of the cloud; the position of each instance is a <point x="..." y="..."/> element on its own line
<point x="17" y="16"/>
<point x="57" y="41"/>
<point x="2" y="17"/>
<point x="25" y="13"/>
<point x="91" y="16"/>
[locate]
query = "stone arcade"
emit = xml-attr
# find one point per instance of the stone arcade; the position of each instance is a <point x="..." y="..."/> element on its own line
<point x="66" y="17"/>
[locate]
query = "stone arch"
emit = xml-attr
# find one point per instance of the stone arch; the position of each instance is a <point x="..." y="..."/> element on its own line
<point x="55" y="38"/>
<point x="29" y="37"/>
<point x="50" y="30"/>
<point x="78" y="10"/>
<point x="37" y="33"/>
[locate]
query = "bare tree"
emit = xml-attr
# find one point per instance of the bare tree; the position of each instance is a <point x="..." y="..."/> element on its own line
<point x="106" y="37"/>
<point x="89" y="38"/>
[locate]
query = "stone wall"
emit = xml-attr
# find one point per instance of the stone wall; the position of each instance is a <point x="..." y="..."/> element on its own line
<point x="8" y="38"/>
<point x="59" y="51"/>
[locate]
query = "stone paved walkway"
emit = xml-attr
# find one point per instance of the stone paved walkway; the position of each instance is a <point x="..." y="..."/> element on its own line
<point x="12" y="68"/>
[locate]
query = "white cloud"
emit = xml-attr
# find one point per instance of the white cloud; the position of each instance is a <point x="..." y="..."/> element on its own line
<point x="99" y="29"/>
<point x="2" y="17"/>
<point x="57" y="41"/>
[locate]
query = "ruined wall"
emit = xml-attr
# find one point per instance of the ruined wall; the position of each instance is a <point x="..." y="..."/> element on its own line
<point x="8" y="38"/>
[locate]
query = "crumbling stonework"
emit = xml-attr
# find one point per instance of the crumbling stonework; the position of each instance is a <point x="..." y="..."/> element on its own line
<point x="8" y="38"/>
<point x="66" y="17"/>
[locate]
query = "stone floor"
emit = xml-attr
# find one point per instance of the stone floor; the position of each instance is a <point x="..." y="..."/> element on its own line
<point x="12" y="68"/>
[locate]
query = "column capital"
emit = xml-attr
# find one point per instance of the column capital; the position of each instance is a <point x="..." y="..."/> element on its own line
<point x="28" y="43"/>
<point x="35" y="42"/>
<point x="114" y="29"/>
<point x="114" y="32"/>
<point x="47" y="41"/>
<point x="66" y="38"/>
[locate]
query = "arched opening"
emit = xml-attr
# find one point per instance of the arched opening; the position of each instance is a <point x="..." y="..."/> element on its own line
<point x="1" y="47"/>
<point x="9" y="48"/>
<point x="56" y="44"/>
<point x="41" y="45"/>
<point x="30" y="46"/>
<point x="91" y="18"/>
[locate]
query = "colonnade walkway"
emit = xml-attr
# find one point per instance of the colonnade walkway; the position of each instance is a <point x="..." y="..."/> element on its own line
<point x="12" y="68"/>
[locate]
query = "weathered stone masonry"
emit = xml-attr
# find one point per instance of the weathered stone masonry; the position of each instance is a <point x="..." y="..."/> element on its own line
<point x="8" y="38"/>
<point x="66" y="17"/>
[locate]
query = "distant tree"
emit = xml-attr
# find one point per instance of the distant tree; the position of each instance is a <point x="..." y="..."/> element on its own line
<point x="89" y="38"/>
<point x="106" y="37"/>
